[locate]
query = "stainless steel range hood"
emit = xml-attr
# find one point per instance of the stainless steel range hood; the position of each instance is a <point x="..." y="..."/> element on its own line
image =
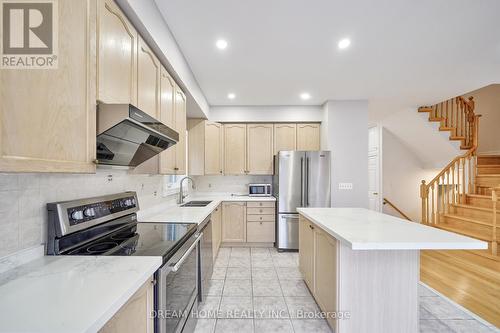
<point x="126" y="136"/>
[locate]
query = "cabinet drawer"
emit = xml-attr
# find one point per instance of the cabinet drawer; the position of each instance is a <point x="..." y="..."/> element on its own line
<point x="260" y="218"/>
<point x="253" y="204"/>
<point x="258" y="211"/>
<point x="260" y="232"/>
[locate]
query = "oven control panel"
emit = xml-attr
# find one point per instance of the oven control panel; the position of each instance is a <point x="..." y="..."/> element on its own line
<point x="84" y="213"/>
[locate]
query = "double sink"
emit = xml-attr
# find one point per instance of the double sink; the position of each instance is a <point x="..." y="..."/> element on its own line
<point x="196" y="204"/>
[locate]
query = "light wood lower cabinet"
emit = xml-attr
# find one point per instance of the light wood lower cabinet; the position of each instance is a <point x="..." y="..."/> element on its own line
<point x="216" y="230"/>
<point x="308" y="136"/>
<point x="306" y="251"/>
<point x="234" y="222"/>
<point x="48" y="116"/>
<point x="135" y="315"/>
<point x="260" y="232"/>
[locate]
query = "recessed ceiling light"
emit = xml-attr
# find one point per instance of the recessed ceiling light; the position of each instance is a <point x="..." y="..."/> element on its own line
<point x="305" y="96"/>
<point x="221" y="44"/>
<point x="231" y="96"/>
<point x="344" y="43"/>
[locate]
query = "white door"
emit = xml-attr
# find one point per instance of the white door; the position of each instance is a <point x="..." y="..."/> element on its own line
<point x="374" y="196"/>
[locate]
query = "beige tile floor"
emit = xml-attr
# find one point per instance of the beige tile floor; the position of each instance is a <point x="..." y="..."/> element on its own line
<point x="261" y="290"/>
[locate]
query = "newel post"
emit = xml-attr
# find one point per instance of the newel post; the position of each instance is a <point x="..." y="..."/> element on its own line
<point x="423" y="196"/>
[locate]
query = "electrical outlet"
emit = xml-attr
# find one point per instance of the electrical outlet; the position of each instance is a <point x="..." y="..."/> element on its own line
<point x="345" y="186"/>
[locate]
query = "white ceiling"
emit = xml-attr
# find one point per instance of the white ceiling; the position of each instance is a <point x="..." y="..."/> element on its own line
<point x="412" y="52"/>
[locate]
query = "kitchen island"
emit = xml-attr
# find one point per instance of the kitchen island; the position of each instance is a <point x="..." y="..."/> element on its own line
<point x="363" y="266"/>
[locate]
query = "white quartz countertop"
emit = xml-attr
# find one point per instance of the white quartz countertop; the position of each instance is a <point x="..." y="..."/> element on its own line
<point x="164" y="213"/>
<point x="363" y="229"/>
<point x="69" y="293"/>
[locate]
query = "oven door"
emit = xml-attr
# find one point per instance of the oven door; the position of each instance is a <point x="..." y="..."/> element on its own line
<point x="177" y="288"/>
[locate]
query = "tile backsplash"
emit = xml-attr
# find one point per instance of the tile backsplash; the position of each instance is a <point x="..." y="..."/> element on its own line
<point x="23" y="199"/>
<point x="228" y="184"/>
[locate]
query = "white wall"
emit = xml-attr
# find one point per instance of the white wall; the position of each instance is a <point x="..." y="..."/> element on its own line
<point x="147" y="19"/>
<point x="402" y="173"/>
<point x="266" y="113"/>
<point x="487" y="101"/>
<point x="345" y="134"/>
<point x="23" y="199"/>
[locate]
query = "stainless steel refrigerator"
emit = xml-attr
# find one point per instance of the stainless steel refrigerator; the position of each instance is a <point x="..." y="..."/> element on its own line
<point x="301" y="179"/>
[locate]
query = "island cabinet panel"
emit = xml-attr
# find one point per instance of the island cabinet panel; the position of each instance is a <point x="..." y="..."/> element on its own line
<point x="116" y="55"/>
<point x="135" y="315"/>
<point x="325" y="272"/>
<point x="213" y="148"/>
<point x="235" y="156"/>
<point x="260" y="149"/>
<point x="308" y="136"/>
<point x="167" y="116"/>
<point x="216" y="230"/>
<point x="285" y="137"/>
<point x="234" y="222"/>
<point x="306" y="251"/>
<point x="48" y="116"/>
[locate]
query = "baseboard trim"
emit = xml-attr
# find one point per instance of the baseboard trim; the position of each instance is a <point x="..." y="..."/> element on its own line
<point x="235" y="244"/>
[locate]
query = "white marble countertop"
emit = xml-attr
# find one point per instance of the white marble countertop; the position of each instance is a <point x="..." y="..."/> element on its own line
<point x="164" y="213"/>
<point x="69" y="293"/>
<point x="363" y="229"/>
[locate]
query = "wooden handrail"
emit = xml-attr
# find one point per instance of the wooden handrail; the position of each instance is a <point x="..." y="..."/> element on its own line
<point x="457" y="178"/>
<point x="385" y="201"/>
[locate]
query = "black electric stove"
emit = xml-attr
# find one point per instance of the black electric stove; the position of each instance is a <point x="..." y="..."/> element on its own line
<point x="108" y="226"/>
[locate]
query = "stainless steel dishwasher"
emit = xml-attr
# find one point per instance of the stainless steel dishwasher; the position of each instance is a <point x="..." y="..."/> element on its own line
<point x="205" y="256"/>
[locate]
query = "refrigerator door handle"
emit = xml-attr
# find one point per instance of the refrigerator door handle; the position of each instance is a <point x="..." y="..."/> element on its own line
<point x="307" y="182"/>
<point x="302" y="182"/>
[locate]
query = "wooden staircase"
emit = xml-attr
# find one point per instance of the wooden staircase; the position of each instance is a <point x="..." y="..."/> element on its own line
<point x="463" y="198"/>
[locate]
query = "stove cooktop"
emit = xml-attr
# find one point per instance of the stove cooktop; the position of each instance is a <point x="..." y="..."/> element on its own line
<point x="140" y="239"/>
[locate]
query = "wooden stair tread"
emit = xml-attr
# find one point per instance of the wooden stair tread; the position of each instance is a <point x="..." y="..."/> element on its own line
<point x="457" y="137"/>
<point x="479" y="196"/>
<point x="468" y="219"/>
<point x="488" y="165"/>
<point x="485" y="209"/>
<point x="442" y="128"/>
<point x="436" y="118"/>
<point x="424" y="109"/>
<point x="489" y="175"/>
<point x="463" y="232"/>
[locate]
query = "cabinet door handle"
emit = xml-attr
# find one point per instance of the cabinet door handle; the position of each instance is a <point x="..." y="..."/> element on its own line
<point x="310" y="226"/>
<point x="260" y="223"/>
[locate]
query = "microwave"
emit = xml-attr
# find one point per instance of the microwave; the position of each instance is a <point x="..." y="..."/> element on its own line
<point x="259" y="190"/>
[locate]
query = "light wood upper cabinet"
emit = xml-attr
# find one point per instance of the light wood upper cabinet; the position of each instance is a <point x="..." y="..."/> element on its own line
<point x="216" y="230"/>
<point x="167" y="116"/>
<point x="48" y="117"/>
<point x="285" y="137"/>
<point x="180" y="127"/>
<point x="306" y="251"/>
<point x="135" y="315"/>
<point x="260" y="149"/>
<point x="235" y="141"/>
<point x="308" y="136"/>
<point x="213" y="148"/>
<point x="148" y="80"/>
<point x="116" y="56"/>
<point x="234" y="222"/>
<point x="205" y="147"/>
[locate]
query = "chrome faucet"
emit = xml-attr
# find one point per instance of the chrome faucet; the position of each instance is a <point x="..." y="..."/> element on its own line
<point x="180" y="200"/>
